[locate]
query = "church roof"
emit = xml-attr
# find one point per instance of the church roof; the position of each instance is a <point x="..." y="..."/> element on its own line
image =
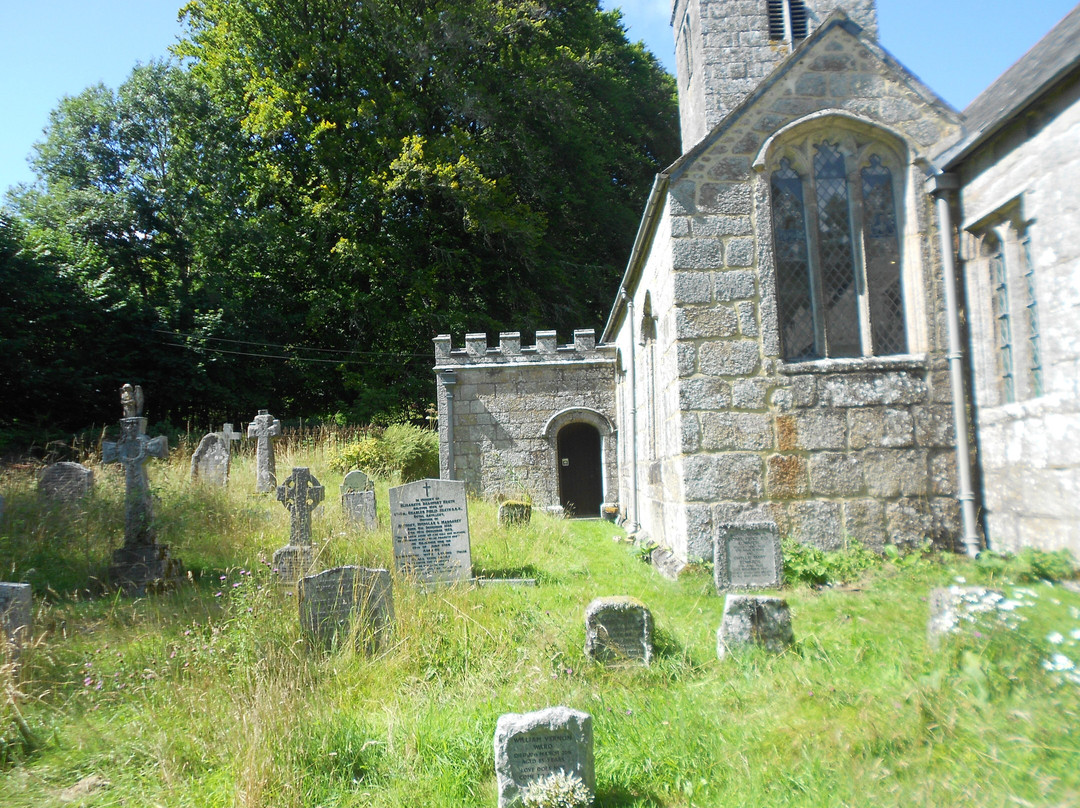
<point x="1050" y="60"/>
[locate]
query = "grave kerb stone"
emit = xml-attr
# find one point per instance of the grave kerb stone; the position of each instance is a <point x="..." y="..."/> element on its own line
<point x="747" y="556"/>
<point x="430" y="526"/>
<point x="618" y="629"/>
<point x="346" y="602"/>
<point x="16" y="618"/>
<point x="529" y="746"/>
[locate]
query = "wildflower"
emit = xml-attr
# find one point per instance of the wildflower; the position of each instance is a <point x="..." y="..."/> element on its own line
<point x="960" y="579"/>
<point x="236" y="585"/>
<point x="1055" y="638"/>
<point x="89" y="680"/>
<point x="222" y="577"/>
<point x="1075" y="633"/>
<point x="1058" y="662"/>
<point x="217" y="594"/>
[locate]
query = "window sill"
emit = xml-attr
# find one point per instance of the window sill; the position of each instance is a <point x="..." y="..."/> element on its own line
<point x="856" y="364"/>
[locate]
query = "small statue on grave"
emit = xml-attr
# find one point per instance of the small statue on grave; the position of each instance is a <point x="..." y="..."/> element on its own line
<point x="131" y="399"/>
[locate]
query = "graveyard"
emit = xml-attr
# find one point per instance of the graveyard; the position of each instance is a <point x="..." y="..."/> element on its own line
<point x="225" y="690"/>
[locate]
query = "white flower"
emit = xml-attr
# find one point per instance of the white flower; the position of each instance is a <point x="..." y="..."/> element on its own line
<point x="1058" y="662"/>
<point x="1055" y="638"/>
<point x="960" y="579"/>
<point x="1075" y="633"/>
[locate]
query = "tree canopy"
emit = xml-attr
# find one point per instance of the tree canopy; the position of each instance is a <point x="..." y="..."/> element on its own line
<point x="336" y="182"/>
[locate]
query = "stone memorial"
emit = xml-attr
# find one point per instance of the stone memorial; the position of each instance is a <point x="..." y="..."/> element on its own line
<point x="65" y="482"/>
<point x="211" y="460"/>
<point x="747" y="556"/>
<point x="667" y="563"/>
<point x="141" y="561"/>
<point x="618" y="629"/>
<point x="754" y="620"/>
<point x="347" y="602"/>
<point x="264" y="428"/>
<point x="16" y="618"/>
<point x="531" y="746"/>
<point x="515" y="513"/>
<point x="358" y="501"/>
<point x="300" y="493"/>
<point x="430" y="525"/>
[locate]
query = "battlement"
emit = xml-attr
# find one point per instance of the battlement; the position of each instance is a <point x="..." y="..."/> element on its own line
<point x="510" y="349"/>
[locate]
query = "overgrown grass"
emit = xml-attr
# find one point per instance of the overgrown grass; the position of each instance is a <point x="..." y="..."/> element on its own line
<point x="208" y="697"/>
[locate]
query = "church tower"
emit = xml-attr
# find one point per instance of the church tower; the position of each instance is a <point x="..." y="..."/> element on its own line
<point x="724" y="48"/>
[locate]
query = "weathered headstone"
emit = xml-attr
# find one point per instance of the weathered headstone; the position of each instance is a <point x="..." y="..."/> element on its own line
<point x="358" y="501"/>
<point x="430" y="523"/>
<point x="65" y="482"/>
<point x="531" y="746"/>
<point x="16" y="617"/>
<point x="667" y="563"/>
<point x="264" y="428"/>
<point x="618" y="629"/>
<point x="141" y="560"/>
<point x="515" y="513"/>
<point x="300" y="493"/>
<point x="747" y="556"/>
<point x="211" y="460"/>
<point x="346" y="602"/>
<point x="754" y="620"/>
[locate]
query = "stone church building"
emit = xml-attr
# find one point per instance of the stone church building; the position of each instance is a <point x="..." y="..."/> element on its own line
<point x="793" y="338"/>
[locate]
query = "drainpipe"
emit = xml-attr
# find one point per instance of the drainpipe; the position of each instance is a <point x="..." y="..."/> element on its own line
<point x="940" y="186"/>
<point x="449" y="379"/>
<point x="635" y="524"/>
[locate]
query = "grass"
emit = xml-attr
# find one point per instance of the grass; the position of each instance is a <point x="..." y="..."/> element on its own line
<point x="208" y="697"/>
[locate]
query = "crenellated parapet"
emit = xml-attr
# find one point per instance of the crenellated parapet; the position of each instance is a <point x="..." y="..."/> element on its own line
<point x="511" y="351"/>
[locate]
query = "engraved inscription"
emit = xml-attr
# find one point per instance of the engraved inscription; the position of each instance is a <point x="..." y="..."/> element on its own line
<point x="623" y="632"/>
<point x="541" y="753"/>
<point x="751" y="558"/>
<point x="431" y="530"/>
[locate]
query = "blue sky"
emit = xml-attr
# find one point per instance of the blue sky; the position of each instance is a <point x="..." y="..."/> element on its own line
<point x="52" y="48"/>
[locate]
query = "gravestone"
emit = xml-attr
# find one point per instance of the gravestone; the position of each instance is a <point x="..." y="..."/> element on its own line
<point x="747" y="556"/>
<point x="515" y="513"/>
<point x="141" y="560"/>
<point x="667" y="563"/>
<point x="211" y="460"/>
<point x="16" y="618"/>
<point x="430" y="524"/>
<point x="531" y="746"/>
<point x="300" y="493"/>
<point x="951" y="606"/>
<point x="358" y="501"/>
<point x="618" y="629"/>
<point x="337" y="602"/>
<point x="754" y="620"/>
<point x="264" y="428"/>
<point x="65" y="482"/>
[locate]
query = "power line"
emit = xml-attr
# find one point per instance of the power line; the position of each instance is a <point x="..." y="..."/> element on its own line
<point x="286" y="357"/>
<point x="290" y="347"/>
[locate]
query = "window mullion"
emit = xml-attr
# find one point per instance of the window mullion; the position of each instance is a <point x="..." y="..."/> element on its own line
<point x="858" y="236"/>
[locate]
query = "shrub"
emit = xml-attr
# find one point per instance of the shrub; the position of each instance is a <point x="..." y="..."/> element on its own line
<point x="1029" y="564"/>
<point x="804" y="563"/>
<point x="403" y="451"/>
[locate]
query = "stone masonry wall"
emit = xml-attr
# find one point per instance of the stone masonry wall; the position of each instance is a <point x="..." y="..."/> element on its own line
<point x="1028" y="449"/>
<point x="503" y="399"/>
<point x="832" y="449"/>
<point x="723" y="52"/>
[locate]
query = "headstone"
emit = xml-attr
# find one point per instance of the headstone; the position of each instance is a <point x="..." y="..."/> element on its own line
<point x="531" y="746"/>
<point x="430" y="523"/>
<point x="754" y="620"/>
<point x="211" y="460"/>
<point x="141" y="561"/>
<point x="358" y="501"/>
<point x="16" y="617"/>
<point x="618" y="629"/>
<point x="300" y="493"/>
<point x="515" y="513"/>
<point x="65" y="482"/>
<point x="344" y="602"/>
<point x="667" y="563"/>
<point x="747" y="556"/>
<point x="264" y="428"/>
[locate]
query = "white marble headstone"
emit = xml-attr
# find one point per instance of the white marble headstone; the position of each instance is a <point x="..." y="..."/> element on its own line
<point x="430" y="524"/>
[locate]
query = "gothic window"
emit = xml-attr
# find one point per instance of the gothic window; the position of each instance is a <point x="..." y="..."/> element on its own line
<point x="1015" y="353"/>
<point x="787" y="20"/>
<point x="837" y="249"/>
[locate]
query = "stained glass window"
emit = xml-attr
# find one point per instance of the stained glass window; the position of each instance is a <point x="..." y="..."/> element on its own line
<point x="836" y="256"/>
<point x="794" y="301"/>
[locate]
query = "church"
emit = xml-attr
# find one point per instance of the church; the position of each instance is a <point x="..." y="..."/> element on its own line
<point x="849" y="309"/>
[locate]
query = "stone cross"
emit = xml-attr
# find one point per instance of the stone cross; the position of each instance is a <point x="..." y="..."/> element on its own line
<point x="264" y="427"/>
<point x="300" y="493"/>
<point x="228" y="434"/>
<point x="133" y="451"/>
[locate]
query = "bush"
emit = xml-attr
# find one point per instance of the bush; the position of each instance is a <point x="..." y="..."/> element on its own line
<point x="806" y="564"/>
<point x="1029" y="564"/>
<point x="402" y="451"/>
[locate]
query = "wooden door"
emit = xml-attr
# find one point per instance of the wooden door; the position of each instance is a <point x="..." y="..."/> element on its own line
<point x="581" y="487"/>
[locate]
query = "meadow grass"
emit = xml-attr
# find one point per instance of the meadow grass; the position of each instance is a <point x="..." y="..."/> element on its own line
<point x="208" y="696"/>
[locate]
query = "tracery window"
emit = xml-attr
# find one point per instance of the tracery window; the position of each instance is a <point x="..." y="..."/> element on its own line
<point x="837" y="248"/>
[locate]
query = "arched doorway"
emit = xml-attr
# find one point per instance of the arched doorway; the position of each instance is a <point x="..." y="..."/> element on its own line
<point x="581" y="486"/>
